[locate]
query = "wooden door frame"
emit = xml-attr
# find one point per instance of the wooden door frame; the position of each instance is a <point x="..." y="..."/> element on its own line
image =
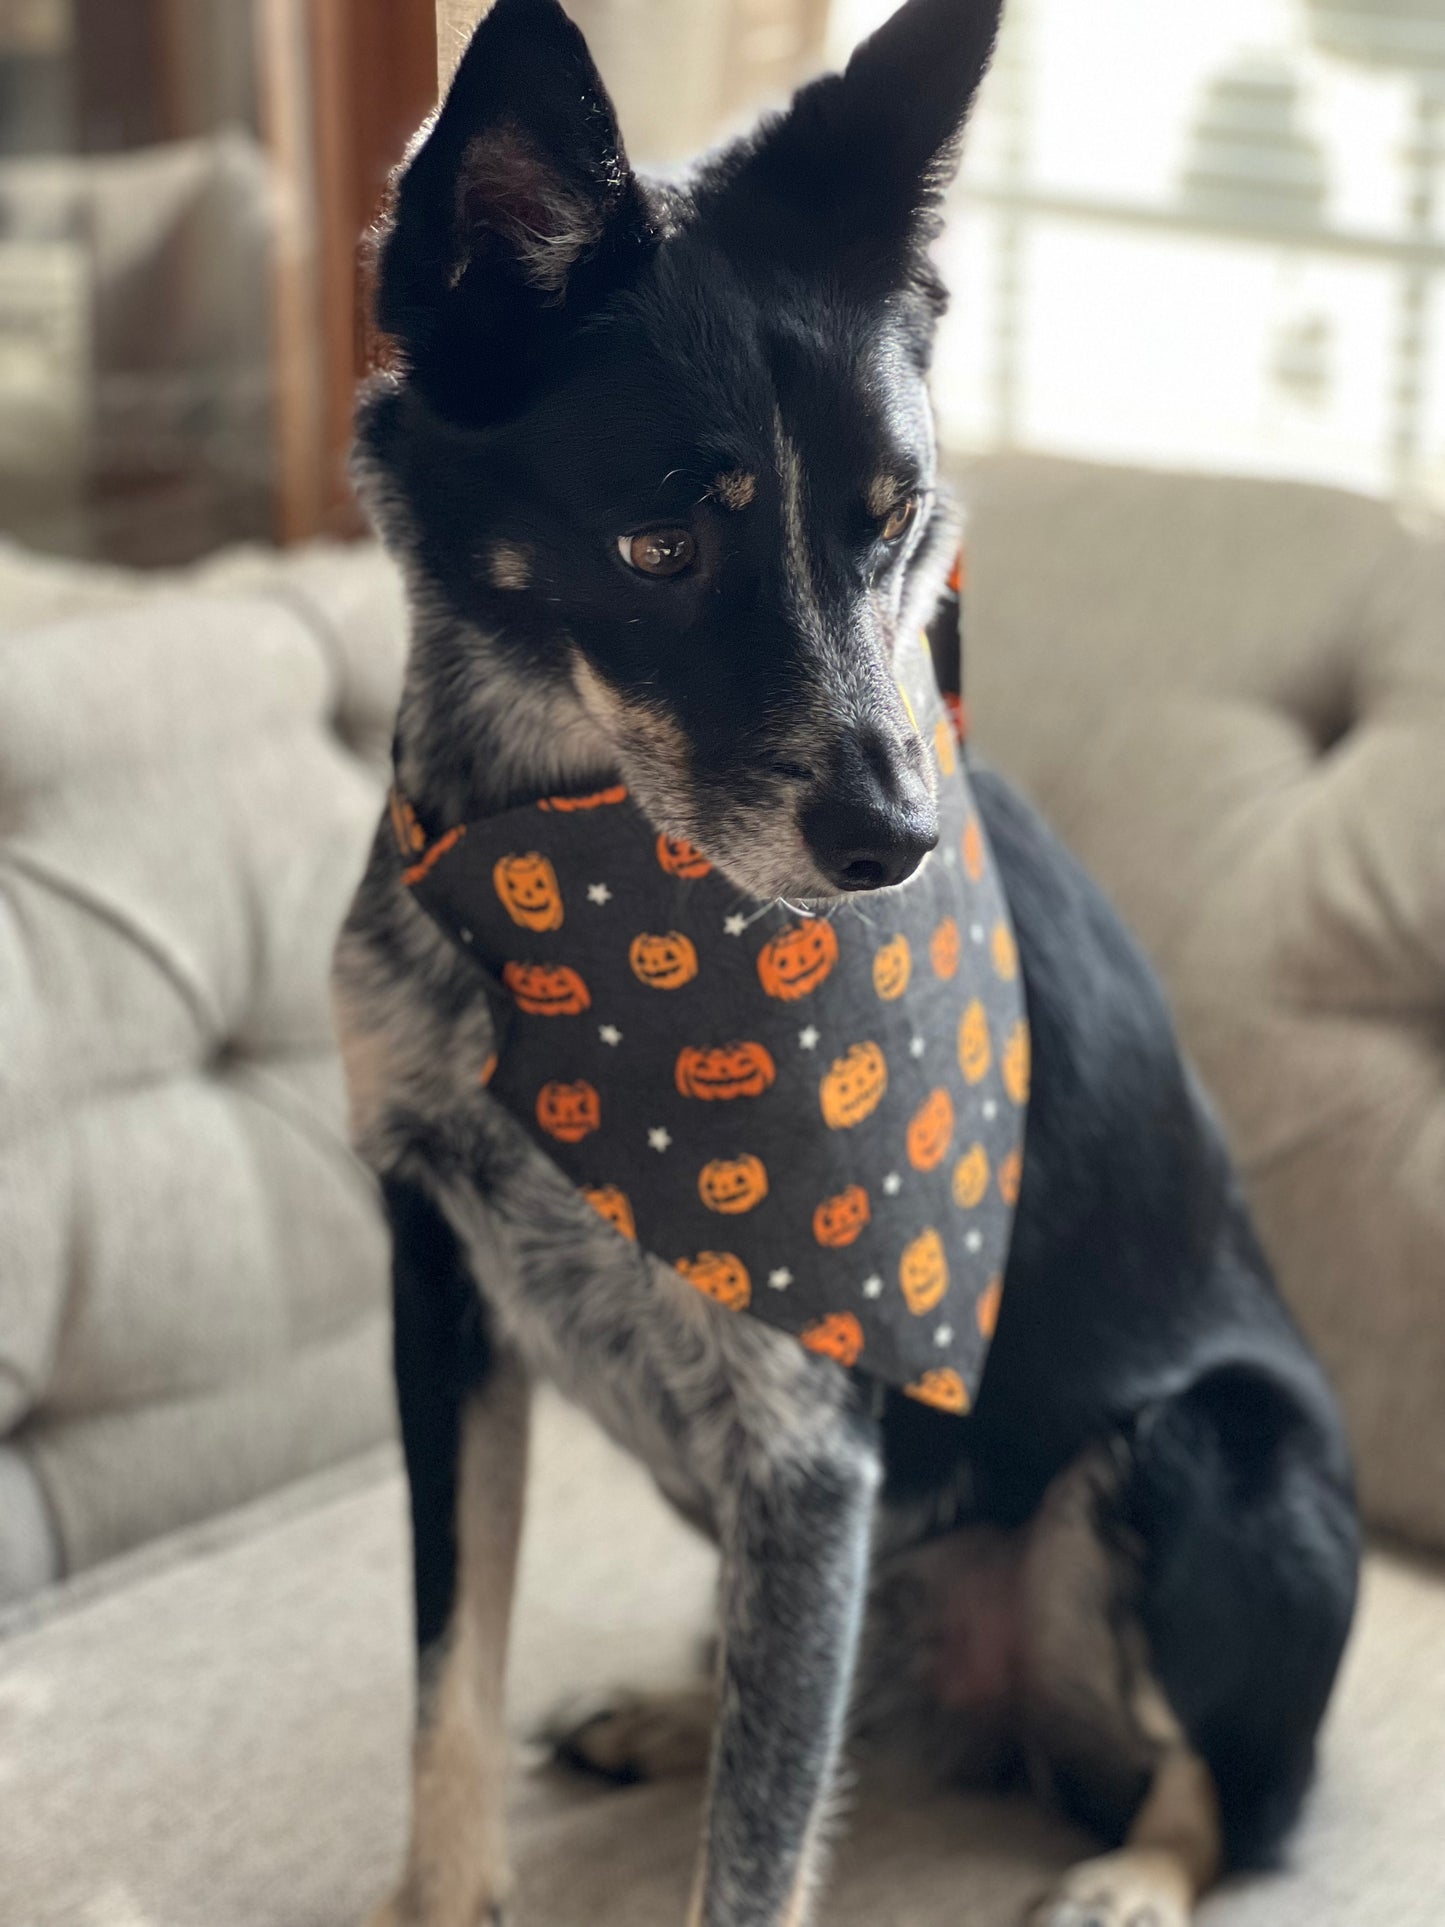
<point x="342" y="84"/>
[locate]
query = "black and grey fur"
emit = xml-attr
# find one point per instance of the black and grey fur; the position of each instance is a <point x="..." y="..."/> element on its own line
<point x="1129" y="1574"/>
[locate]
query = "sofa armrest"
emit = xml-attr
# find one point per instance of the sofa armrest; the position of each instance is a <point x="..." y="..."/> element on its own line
<point x="1229" y="697"/>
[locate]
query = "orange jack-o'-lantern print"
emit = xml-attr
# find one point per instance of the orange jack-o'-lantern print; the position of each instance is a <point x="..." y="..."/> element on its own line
<point x="680" y="859"/>
<point x="930" y="1131"/>
<point x="720" y="1276"/>
<point x="892" y="968"/>
<point x="941" y="1388"/>
<point x="989" y="1307"/>
<point x="838" y="1336"/>
<point x="973" y="850"/>
<point x="424" y="866"/>
<point x="730" y="1071"/>
<point x="409" y="834"/>
<point x="854" y="1087"/>
<point x="797" y="959"/>
<point x="944" y="949"/>
<point x="546" y="990"/>
<point x="1016" y="1063"/>
<point x="615" y="1206"/>
<point x="1010" y="1176"/>
<point x="663" y="963"/>
<point x="1004" y="952"/>
<point x="527" y="887"/>
<point x="596" y="800"/>
<point x="923" y="1272"/>
<point x="943" y="747"/>
<point x="569" y="1112"/>
<point x="970" y="1178"/>
<point x="839" y="1221"/>
<point x="733" y="1185"/>
<point x="975" y="1052"/>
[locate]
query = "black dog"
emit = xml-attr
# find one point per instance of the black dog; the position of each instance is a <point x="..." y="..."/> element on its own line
<point x="659" y="466"/>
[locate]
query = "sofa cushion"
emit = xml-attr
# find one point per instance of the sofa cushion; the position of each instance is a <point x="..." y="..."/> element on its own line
<point x="194" y="1263"/>
<point x="215" y="1735"/>
<point x="1229" y="697"/>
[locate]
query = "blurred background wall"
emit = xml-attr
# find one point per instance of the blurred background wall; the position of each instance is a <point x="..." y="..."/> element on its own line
<point x="1204" y="234"/>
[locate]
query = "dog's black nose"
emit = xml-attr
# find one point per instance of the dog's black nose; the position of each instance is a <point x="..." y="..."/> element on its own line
<point x="873" y="820"/>
<point x="861" y="846"/>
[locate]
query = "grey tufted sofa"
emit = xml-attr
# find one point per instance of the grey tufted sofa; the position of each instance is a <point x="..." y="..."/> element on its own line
<point x="191" y="1267"/>
<point x="1230" y="697"/>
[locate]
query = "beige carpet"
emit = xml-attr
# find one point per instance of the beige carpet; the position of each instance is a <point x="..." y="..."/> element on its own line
<point x="214" y="1736"/>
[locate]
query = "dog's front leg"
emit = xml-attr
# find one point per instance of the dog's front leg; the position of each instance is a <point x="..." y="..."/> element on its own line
<point x="795" y="1564"/>
<point x="463" y="1400"/>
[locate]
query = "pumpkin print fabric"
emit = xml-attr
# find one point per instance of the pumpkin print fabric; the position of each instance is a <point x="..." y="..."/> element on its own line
<point x="818" y="1121"/>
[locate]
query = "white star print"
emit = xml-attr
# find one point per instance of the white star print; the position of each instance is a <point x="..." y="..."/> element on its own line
<point x="944" y="1335"/>
<point x="659" y="1138"/>
<point x="950" y="855"/>
<point x="917" y="1047"/>
<point x="735" y="925"/>
<point x="975" y="930"/>
<point x="780" y="1279"/>
<point x="598" y="893"/>
<point x="990" y="1107"/>
<point x="808" y="1038"/>
<point x="873" y="1287"/>
<point x="974" y="1241"/>
<point x="609" y="1033"/>
<point x="892" y="1185"/>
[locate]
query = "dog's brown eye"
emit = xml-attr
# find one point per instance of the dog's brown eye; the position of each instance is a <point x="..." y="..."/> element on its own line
<point x="658" y="551"/>
<point x="900" y="520"/>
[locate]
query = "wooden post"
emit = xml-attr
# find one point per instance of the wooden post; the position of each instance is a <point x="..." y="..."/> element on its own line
<point x="374" y="70"/>
<point x="343" y="84"/>
<point x="286" y="127"/>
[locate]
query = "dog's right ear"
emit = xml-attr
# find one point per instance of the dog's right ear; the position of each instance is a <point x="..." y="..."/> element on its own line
<point x="515" y="211"/>
<point x="851" y="178"/>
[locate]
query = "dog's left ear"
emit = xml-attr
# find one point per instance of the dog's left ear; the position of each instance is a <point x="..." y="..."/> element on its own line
<point x="514" y="213"/>
<point x="855" y="170"/>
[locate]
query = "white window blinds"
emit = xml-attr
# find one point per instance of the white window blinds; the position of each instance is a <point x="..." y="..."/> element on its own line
<point x="1206" y="233"/>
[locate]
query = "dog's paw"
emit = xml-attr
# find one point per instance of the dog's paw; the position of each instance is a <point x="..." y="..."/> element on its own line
<point x="400" y="1911"/>
<point x="388" y="1914"/>
<point x="638" y="1736"/>
<point x="1121" y="1890"/>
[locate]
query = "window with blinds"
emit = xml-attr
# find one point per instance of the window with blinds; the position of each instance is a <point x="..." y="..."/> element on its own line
<point x="1206" y="233"/>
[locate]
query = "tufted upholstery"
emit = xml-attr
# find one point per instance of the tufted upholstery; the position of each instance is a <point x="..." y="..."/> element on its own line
<point x="1229" y="696"/>
<point x="191" y="1296"/>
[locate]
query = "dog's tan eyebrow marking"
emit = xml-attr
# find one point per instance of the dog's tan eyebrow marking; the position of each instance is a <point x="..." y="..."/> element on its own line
<point x="509" y="564"/>
<point x="802" y="591"/>
<point x="885" y="492"/>
<point x="735" y="488"/>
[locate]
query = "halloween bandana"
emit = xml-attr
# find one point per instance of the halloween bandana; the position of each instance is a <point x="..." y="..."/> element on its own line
<point x="818" y="1120"/>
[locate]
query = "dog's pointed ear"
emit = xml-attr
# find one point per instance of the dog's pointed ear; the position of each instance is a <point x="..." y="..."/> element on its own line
<point x="516" y="203"/>
<point x="857" y="166"/>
